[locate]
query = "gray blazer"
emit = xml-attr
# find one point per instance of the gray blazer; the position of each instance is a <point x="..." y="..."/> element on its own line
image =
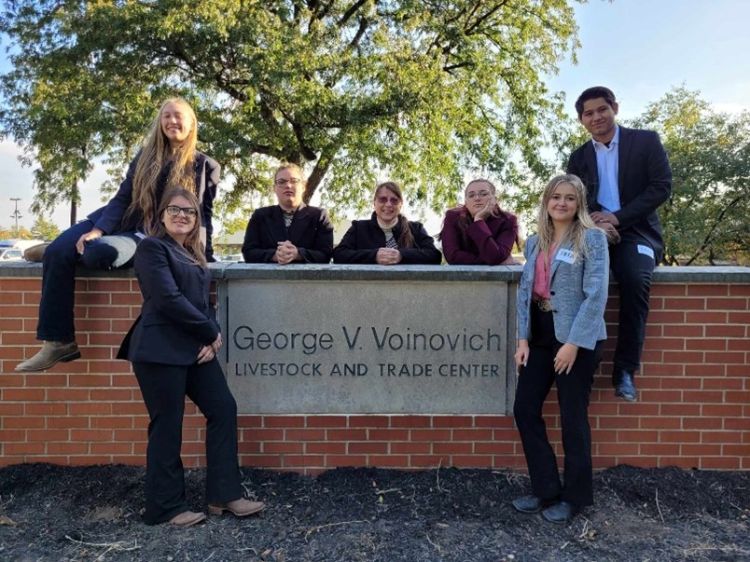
<point x="578" y="291"/>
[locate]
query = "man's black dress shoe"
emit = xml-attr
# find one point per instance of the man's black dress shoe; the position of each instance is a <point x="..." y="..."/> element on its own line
<point x="562" y="512"/>
<point x="625" y="387"/>
<point x="528" y="504"/>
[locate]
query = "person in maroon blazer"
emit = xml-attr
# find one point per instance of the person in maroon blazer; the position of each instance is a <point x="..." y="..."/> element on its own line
<point x="388" y="237"/>
<point x="479" y="232"/>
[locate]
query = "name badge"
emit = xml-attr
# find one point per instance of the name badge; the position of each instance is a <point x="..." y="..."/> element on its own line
<point x="565" y="255"/>
<point x="645" y="250"/>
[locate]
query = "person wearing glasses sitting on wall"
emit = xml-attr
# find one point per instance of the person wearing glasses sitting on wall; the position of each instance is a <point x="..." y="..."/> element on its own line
<point x="290" y="232"/>
<point x="560" y="306"/>
<point x="388" y="237"/>
<point x="479" y="232"/>
<point x="173" y="346"/>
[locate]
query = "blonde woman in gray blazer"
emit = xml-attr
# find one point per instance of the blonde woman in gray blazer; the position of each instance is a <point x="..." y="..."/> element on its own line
<point x="561" y="301"/>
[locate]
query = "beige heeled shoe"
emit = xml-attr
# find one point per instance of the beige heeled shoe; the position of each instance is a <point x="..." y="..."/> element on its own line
<point x="241" y="507"/>
<point x="187" y="519"/>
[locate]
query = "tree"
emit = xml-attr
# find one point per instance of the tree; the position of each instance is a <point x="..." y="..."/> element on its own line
<point x="44" y="229"/>
<point x="420" y="91"/>
<point x="706" y="218"/>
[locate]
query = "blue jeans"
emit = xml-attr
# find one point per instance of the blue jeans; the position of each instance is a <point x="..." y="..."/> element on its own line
<point x="58" y="275"/>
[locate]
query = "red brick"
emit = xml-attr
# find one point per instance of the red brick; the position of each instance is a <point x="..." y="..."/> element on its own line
<point x="679" y="436"/>
<point x="617" y="449"/>
<point x="742" y="424"/>
<point x="452" y="421"/>
<point x="325" y="448"/>
<point x="736" y="450"/>
<point x="736" y="303"/>
<point x="502" y="448"/>
<point x="346" y="434"/>
<point x="739" y="318"/>
<point x="411" y="448"/>
<point x="684" y="331"/>
<point x="721" y="410"/>
<point x="261" y="461"/>
<point x="637" y="436"/>
<point x="282" y="447"/>
<point x="9" y="409"/>
<point x="390" y="461"/>
<point x="89" y="380"/>
<point x="505" y="434"/>
<point x="705" y="370"/>
<point x="249" y="421"/>
<point x="659" y="449"/>
<point x="112" y="422"/>
<point x="91" y="435"/>
<point x="660" y="422"/>
<point x="428" y="461"/>
<point x="326" y="421"/>
<point x="719" y="463"/>
<point x="302" y="460"/>
<point x="501" y="422"/>
<point x="377" y="434"/>
<point x="737" y="345"/>
<point x="725" y="331"/>
<point x="617" y="422"/>
<point x="670" y="289"/>
<point x="346" y="460"/>
<point x="92" y="408"/>
<point x="369" y="421"/>
<point x="472" y="434"/>
<point x="67" y="448"/>
<point x="431" y="434"/>
<point x="452" y="448"/>
<point x="248" y="447"/>
<point x="111" y="448"/>
<point x="77" y="422"/>
<point x="262" y="434"/>
<point x="284" y="421"/>
<point x="723" y="384"/>
<point x="367" y="447"/>
<point x="67" y="394"/>
<point x="702" y="422"/>
<point x="305" y="434"/>
<point x="472" y="461"/>
<point x="666" y="317"/>
<point x="726" y="357"/>
<point x="23" y="448"/>
<point x="411" y="421"/>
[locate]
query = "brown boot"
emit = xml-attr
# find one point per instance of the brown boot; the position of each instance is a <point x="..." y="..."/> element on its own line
<point x="51" y="353"/>
<point x="187" y="519"/>
<point x="35" y="253"/>
<point x="241" y="507"/>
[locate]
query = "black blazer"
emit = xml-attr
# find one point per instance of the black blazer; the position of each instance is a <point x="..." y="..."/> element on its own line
<point x="311" y="231"/>
<point x="364" y="238"/>
<point x="111" y="218"/>
<point x="644" y="181"/>
<point x="175" y="320"/>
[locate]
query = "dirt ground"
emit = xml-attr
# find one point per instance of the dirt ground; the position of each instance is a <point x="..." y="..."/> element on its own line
<point x="93" y="513"/>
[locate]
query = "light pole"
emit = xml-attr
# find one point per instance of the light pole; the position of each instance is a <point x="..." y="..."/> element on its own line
<point x="16" y="215"/>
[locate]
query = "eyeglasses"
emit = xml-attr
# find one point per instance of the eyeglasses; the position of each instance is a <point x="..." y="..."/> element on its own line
<point x="382" y="199"/>
<point x="174" y="210"/>
<point x="477" y="194"/>
<point x="293" y="181"/>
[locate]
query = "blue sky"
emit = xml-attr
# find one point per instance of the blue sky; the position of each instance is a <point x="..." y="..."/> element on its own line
<point x="639" y="48"/>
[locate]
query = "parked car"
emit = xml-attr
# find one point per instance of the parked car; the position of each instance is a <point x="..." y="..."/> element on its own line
<point x="11" y="254"/>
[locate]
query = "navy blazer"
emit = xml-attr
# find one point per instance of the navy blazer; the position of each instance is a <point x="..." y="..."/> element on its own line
<point x="175" y="320"/>
<point x="644" y="182"/>
<point x="110" y="219"/>
<point x="311" y="231"/>
<point x="578" y="291"/>
<point x="364" y="238"/>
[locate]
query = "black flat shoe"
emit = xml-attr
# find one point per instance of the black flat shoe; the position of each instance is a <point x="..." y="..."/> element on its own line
<point x="561" y="513"/>
<point x="528" y="504"/>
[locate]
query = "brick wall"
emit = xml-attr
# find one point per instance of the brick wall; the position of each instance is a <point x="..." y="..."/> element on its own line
<point x="693" y="411"/>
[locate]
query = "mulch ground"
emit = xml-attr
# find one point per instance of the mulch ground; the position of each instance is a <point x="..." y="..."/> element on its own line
<point x="93" y="513"/>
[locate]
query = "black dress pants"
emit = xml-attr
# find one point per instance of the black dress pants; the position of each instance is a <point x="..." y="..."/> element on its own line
<point x="164" y="388"/>
<point x="633" y="271"/>
<point x="573" y="391"/>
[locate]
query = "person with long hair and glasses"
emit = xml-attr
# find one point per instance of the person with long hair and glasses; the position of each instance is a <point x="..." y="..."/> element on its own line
<point x="107" y="239"/>
<point x="388" y="237"/>
<point x="561" y="300"/>
<point x="173" y="346"/>
<point x="479" y="232"/>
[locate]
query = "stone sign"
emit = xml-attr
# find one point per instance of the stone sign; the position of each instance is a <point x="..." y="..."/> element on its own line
<point x="367" y="346"/>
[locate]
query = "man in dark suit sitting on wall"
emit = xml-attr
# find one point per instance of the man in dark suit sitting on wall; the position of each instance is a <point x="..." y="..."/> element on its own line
<point x="627" y="177"/>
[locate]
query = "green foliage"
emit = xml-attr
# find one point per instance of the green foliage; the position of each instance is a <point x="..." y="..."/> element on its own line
<point x="44" y="229"/>
<point x="417" y="91"/>
<point x="706" y="219"/>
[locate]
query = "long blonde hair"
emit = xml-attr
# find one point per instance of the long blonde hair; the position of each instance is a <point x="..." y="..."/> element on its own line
<point x="582" y="221"/>
<point x="192" y="243"/>
<point x="156" y="153"/>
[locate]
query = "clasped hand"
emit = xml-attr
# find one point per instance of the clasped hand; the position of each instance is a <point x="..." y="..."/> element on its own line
<point x="608" y="223"/>
<point x="388" y="256"/>
<point x="286" y="252"/>
<point x="92" y="234"/>
<point x="208" y="352"/>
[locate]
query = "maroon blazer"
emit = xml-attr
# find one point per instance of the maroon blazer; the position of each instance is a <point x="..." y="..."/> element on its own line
<point x="487" y="242"/>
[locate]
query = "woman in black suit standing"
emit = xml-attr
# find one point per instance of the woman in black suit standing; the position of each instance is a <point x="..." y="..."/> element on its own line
<point x="388" y="238"/>
<point x="173" y="347"/>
